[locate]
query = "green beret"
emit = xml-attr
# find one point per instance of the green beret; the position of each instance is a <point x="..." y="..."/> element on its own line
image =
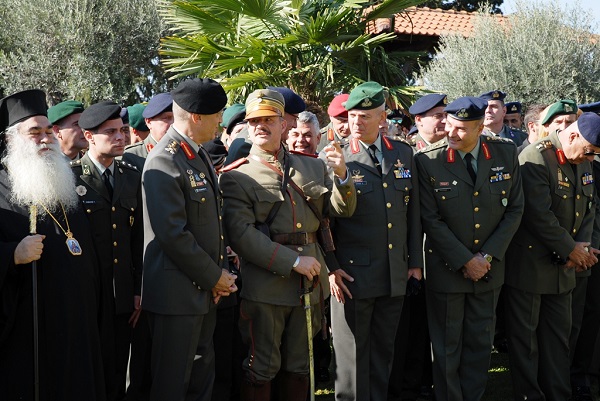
<point x="366" y="96"/>
<point x="561" y="107"/>
<point x="136" y="120"/>
<point x="231" y="111"/>
<point x="64" y="109"/>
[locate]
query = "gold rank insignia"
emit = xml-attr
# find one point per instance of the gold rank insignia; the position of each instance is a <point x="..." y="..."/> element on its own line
<point x="86" y="169"/>
<point x="462" y="113"/>
<point x="366" y="103"/>
<point x="171" y="147"/>
<point x="357" y="178"/>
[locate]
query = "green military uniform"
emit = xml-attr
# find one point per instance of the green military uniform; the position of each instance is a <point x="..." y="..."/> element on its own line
<point x="328" y="134"/>
<point x="420" y="143"/>
<point x="559" y="211"/>
<point x="118" y="238"/>
<point x="271" y="287"/>
<point x="137" y="153"/>
<point x="507" y="132"/>
<point x="460" y="219"/>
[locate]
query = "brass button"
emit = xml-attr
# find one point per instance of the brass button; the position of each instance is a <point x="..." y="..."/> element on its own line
<point x="298" y="225"/>
<point x="578" y="196"/>
<point x="564" y="196"/>
<point x="503" y="192"/>
<point x="113" y="208"/>
<point x="193" y="283"/>
<point x="476" y="194"/>
<point x="350" y="261"/>
<point x="477" y="225"/>
<point x="203" y="200"/>
<point x="530" y="246"/>
<point x="476" y="241"/>
<point x="220" y="218"/>
<point x="114" y="226"/>
<point x="430" y="251"/>
<point x="132" y="209"/>
<point x="389" y="225"/>
<point x="476" y="209"/>
<point x="385" y="184"/>
<point x="300" y="249"/>
<point x="116" y="261"/>
<point x="577" y="214"/>
<point x="574" y="230"/>
<point x="358" y="191"/>
<point x="221" y="257"/>
<point x="406" y="188"/>
<point x="89" y="211"/>
<point x="115" y="243"/>
<point x="349" y="193"/>
<point x="389" y="205"/>
<point x="390" y="246"/>
<point x="443" y="197"/>
<point x="222" y="238"/>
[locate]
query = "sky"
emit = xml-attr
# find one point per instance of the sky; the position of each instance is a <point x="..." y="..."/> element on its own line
<point x="590" y="6"/>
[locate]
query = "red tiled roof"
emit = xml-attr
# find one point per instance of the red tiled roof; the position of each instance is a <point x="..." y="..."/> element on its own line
<point x="425" y="21"/>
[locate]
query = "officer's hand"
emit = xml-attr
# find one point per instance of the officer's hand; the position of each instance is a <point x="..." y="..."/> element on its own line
<point x="137" y="309"/>
<point x="335" y="159"/>
<point x="476" y="268"/>
<point x="29" y="249"/>
<point x="337" y="285"/>
<point x="415" y="272"/>
<point x="309" y="267"/>
<point x="226" y="283"/>
<point x="582" y="256"/>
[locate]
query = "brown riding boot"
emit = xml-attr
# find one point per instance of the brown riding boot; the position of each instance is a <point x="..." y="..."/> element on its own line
<point x="292" y="386"/>
<point x="255" y="391"/>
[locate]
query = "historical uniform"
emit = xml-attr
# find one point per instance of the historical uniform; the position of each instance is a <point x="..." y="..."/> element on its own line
<point x="184" y="251"/>
<point x="559" y="211"/>
<point x="118" y="239"/>
<point x="376" y="246"/>
<point x="272" y="316"/>
<point x="462" y="218"/>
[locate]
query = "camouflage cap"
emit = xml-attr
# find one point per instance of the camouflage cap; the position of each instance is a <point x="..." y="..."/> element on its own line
<point x="366" y="96"/>
<point x="564" y="106"/>
<point x="265" y="103"/>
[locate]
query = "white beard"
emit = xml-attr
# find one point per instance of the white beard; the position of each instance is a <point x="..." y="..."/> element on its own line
<point x="39" y="179"/>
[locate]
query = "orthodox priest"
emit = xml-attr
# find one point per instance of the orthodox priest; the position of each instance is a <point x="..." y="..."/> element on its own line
<point x="34" y="172"/>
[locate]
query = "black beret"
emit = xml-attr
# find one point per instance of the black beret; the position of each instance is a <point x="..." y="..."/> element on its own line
<point x="467" y="108"/>
<point x="200" y="96"/>
<point x="493" y="95"/>
<point x="428" y="102"/>
<point x="216" y="150"/>
<point x="158" y="104"/>
<point x="293" y="103"/>
<point x="589" y="127"/>
<point x="20" y="106"/>
<point x="514" y="107"/>
<point x="593" y="107"/>
<point x="98" y="113"/>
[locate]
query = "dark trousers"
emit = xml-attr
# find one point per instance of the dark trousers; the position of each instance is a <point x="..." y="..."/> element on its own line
<point x="538" y="327"/>
<point x="461" y="327"/>
<point x="140" y="374"/>
<point x="183" y="358"/>
<point x="363" y="333"/>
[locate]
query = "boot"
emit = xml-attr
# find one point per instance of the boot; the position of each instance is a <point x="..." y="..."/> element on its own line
<point x="292" y="386"/>
<point x="255" y="391"/>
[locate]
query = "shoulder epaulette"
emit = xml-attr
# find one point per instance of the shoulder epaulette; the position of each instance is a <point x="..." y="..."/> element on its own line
<point x="75" y="163"/>
<point x="436" y="145"/>
<point x="234" y="165"/>
<point x="134" y="145"/>
<point x="172" y="147"/>
<point x="122" y="163"/>
<point x="498" y="139"/>
<point x="544" y="145"/>
<point x="303" y="154"/>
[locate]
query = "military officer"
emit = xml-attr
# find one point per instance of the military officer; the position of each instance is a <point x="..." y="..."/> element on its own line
<point x="551" y="244"/>
<point x="284" y="256"/>
<point x="430" y="119"/>
<point x="110" y="192"/>
<point x="138" y="129"/>
<point x="184" y="249"/>
<point x="514" y="115"/>
<point x="337" y="129"/>
<point x="158" y="117"/>
<point x="559" y="115"/>
<point x="378" y="249"/>
<point x="64" y="118"/>
<point x="494" y="118"/>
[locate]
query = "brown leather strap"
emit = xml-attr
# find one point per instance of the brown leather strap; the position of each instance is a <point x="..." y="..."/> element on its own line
<point x="299" y="238"/>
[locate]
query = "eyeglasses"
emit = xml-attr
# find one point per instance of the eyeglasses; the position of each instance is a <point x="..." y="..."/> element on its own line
<point x="587" y="152"/>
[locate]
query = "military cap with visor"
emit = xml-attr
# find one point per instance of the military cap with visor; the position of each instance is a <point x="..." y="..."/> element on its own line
<point x="366" y="96"/>
<point x="562" y="107"/>
<point x="265" y="103"/>
<point x="158" y="104"/>
<point x="97" y="114"/>
<point x="514" y="107"/>
<point x="64" y="109"/>
<point x="200" y="96"/>
<point x="467" y="108"/>
<point x="428" y="102"/>
<point x="493" y="95"/>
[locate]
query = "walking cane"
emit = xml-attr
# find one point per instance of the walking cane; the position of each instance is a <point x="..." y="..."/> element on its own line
<point x="306" y="290"/>
<point x="33" y="231"/>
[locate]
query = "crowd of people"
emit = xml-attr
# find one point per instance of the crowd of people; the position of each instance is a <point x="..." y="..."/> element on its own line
<point x="186" y="249"/>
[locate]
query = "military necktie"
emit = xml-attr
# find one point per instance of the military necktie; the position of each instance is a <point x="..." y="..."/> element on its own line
<point x="373" y="153"/>
<point x="106" y="177"/>
<point x="470" y="170"/>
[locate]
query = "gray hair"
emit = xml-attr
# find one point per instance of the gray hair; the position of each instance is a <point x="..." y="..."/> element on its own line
<point x="308" y="118"/>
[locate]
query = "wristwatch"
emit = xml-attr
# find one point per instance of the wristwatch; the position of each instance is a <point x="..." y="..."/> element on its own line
<point x="486" y="257"/>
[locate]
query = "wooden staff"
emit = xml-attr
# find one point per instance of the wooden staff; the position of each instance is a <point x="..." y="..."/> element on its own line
<point x="36" y="362"/>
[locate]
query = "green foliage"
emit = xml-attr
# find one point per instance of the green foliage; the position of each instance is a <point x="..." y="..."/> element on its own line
<point x="544" y="53"/>
<point x="316" y="47"/>
<point x="84" y="49"/>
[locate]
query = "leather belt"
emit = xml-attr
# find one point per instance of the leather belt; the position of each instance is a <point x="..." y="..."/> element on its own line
<point x="299" y="238"/>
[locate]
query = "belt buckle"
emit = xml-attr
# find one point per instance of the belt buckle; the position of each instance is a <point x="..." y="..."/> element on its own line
<point x="305" y="237"/>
